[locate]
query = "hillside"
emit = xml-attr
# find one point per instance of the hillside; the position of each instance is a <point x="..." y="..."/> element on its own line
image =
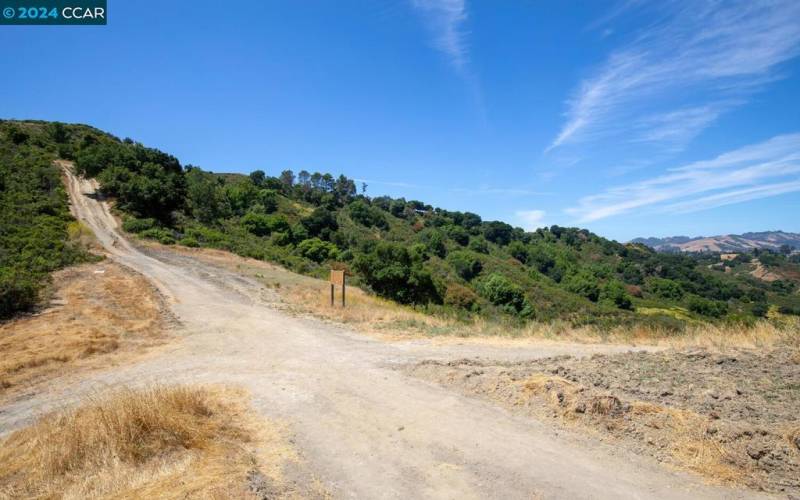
<point x="730" y="243"/>
<point x="442" y="262"/>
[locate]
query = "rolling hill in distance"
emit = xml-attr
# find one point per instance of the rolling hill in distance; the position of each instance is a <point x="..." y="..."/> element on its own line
<point x="732" y="243"/>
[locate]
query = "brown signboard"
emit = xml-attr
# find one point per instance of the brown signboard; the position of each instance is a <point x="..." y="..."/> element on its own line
<point x="337" y="277"/>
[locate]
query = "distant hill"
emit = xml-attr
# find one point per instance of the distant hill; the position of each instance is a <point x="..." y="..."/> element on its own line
<point x="771" y="240"/>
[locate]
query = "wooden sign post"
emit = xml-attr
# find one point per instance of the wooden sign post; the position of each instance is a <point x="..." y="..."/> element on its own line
<point x="337" y="278"/>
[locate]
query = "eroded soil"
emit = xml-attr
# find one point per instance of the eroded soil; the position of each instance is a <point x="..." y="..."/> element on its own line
<point x="732" y="417"/>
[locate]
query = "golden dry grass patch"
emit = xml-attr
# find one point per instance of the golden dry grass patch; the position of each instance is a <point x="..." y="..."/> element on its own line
<point x="158" y="442"/>
<point x="97" y="309"/>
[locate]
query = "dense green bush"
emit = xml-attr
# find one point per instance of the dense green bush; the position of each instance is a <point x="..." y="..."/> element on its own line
<point x="461" y="297"/>
<point x="479" y="245"/>
<point x="264" y="225"/>
<point x="584" y="284"/>
<point x="706" y="307"/>
<point x="466" y="264"/>
<point x="145" y="181"/>
<point x="760" y="309"/>
<point x="500" y="291"/>
<point x="159" y="234"/>
<point x="134" y="225"/>
<point x="433" y="239"/>
<point x="321" y="223"/>
<point x="457" y="233"/>
<point x="664" y="288"/>
<point x="366" y="215"/>
<point x="317" y="250"/>
<point x="389" y="270"/>
<point x="614" y="292"/>
<point x="188" y="241"/>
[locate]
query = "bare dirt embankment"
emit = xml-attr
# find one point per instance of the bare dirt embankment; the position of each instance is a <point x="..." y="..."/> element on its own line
<point x="732" y="416"/>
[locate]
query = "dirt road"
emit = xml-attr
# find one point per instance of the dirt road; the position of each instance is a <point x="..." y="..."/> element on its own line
<point x="365" y="428"/>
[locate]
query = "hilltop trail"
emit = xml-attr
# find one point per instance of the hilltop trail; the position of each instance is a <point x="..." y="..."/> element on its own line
<point x="365" y="429"/>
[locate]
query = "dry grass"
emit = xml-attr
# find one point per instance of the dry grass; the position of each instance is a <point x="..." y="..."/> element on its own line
<point x="363" y="310"/>
<point x="161" y="442"/>
<point x="793" y="436"/>
<point x="97" y="309"/>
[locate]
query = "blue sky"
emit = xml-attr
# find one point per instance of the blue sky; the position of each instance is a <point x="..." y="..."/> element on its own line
<point x="630" y="118"/>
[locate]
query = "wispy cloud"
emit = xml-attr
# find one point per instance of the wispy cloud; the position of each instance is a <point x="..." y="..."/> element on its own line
<point x="679" y="75"/>
<point x="757" y="171"/>
<point x="445" y="19"/>
<point x="531" y="219"/>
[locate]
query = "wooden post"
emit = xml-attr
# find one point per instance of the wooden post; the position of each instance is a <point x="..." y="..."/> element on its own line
<point x="337" y="278"/>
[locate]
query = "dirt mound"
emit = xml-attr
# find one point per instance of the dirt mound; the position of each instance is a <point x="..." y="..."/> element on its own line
<point x="731" y="417"/>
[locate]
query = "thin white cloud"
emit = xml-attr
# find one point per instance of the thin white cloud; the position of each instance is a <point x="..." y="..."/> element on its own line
<point x="679" y="75"/>
<point x="445" y="19"/>
<point x="757" y="171"/>
<point x="531" y="219"/>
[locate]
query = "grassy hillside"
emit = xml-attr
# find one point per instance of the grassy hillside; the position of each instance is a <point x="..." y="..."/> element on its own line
<point x="444" y="262"/>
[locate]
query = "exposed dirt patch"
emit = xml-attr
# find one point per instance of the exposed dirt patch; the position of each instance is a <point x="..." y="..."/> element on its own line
<point x="762" y="273"/>
<point x="732" y="417"/>
<point x="96" y="311"/>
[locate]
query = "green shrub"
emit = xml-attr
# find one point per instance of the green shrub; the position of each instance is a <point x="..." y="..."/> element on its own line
<point x="500" y="291"/>
<point x="320" y="223"/>
<point x="479" y="245"/>
<point x="389" y="270"/>
<point x="466" y="264"/>
<point x="264" y="225"/>
<point x="706" y="307"/>
<point x="457" y="234"/>
<point x="134" y="225"/>
<point x="161" y="235"/>
<point x="317" y="250"/>
<point x="188" y="241"/>
<point x="584" y="284"/>
<point x="206" y="236"/>
<point x="280" y="238"/>
<point x="268" y="198"/>
<point x="19" y="291"/>
<point x="461" y="297"/>
<point x="519" y="251"/>
<point x="433" y="240"/>
<point x="614" y="292"/>
<point x="759" y="309"/>
<point x="367" y="215"/>
<point x="664" y="288"/>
